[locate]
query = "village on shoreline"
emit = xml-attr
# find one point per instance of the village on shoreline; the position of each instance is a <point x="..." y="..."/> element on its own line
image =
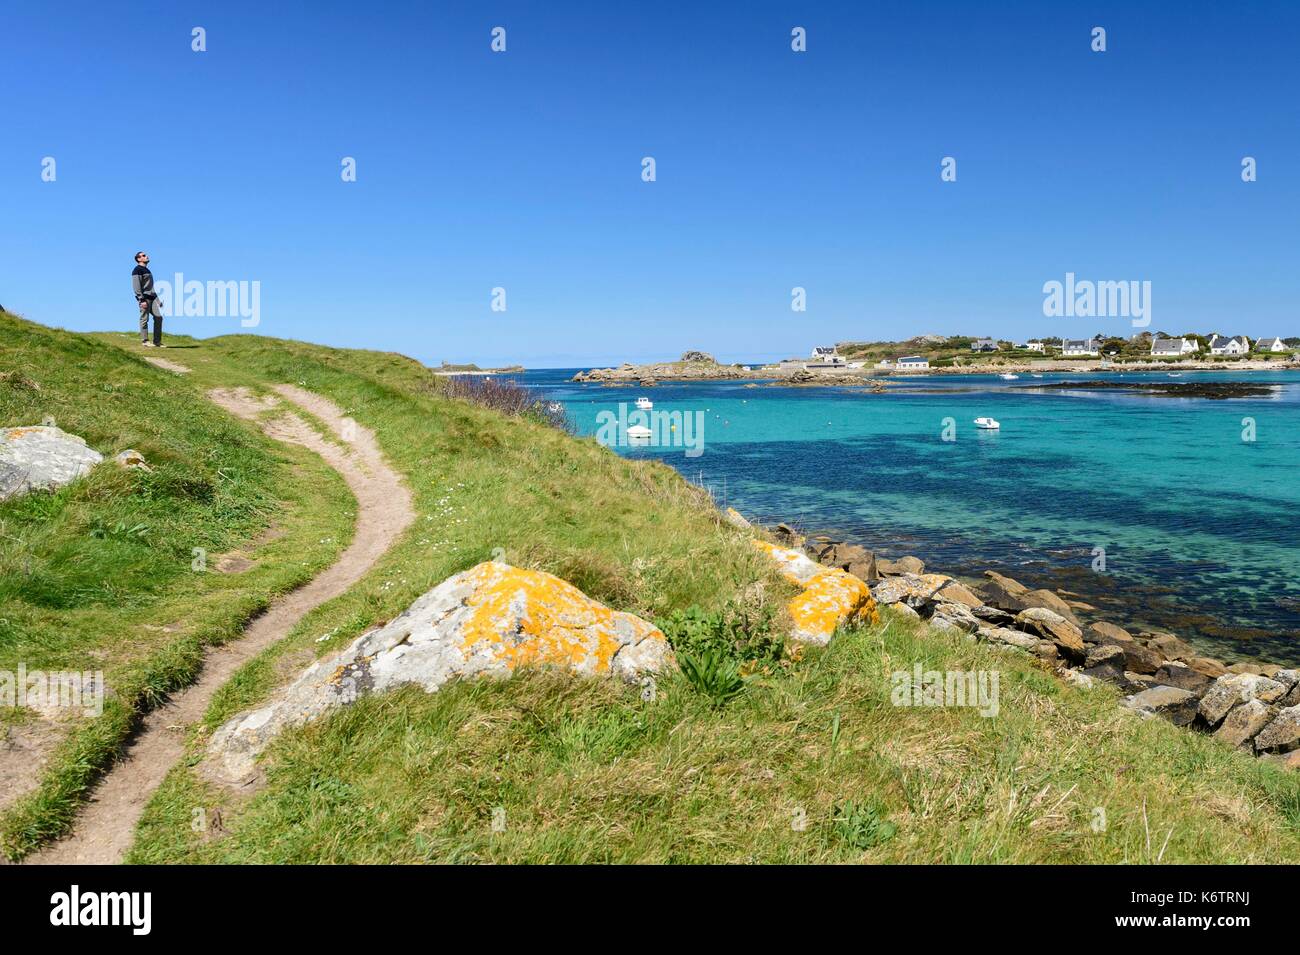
<point x="866" y="363"/>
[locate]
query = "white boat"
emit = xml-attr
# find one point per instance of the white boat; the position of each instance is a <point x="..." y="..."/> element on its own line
<point x="644" y="404"/>
<point x="987" y="424"/>
<point x="1007" y="376"/>
<point x="1038" y="376"/>
<point x="639" y="432"/>
<point x="1174" y="374"/>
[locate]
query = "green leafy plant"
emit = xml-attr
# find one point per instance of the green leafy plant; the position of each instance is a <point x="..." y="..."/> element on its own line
<point x="713" y="674"/>
<point x="119" y="531"/>
<point x="718" y="650"/>
<point x="743" y="634"/>
<point x="862" y="825"/>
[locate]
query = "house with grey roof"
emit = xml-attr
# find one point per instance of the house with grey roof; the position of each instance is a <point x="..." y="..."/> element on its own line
<point x="1236" y="345"/>
<point x="1080" y="346"/>
<point x="983" y="344"/>
<point x="825" y="356"/>
<point x="1173" y="347"/>
<point x="1270" y="344"/>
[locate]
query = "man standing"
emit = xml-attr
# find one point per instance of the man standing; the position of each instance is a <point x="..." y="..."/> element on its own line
<point x="142" y="286"/>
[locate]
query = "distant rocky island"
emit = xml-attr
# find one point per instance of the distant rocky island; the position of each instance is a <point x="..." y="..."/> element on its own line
<point x="446" y="368"/>
<point x="693" y="365"/>
<point x="700" y="366"/>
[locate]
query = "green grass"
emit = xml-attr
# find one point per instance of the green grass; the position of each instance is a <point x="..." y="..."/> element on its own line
<point x="809" y="763"/>
<point x="812" y="765"/>
<point x="99" y="575"/>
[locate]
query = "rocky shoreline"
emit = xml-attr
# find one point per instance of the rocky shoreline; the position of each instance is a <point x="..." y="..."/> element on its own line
<point x="1254" y="707"/>
<point x="1214" y="390"/>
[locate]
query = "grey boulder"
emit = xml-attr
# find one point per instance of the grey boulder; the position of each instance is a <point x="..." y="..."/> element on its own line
<point x="1236" y="688"/>
<point x="41" y="458"/>
<point x="1177" y="706"/>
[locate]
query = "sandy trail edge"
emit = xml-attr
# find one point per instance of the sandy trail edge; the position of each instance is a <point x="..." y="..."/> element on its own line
<point x="166" y="365"/>
<point x="105" y="828"/>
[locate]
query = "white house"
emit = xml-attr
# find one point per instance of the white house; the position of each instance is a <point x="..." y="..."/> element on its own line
<point x="1036" y="346"/>
<point x="824" y="356"/>
<point x="913" y="363"/>
<point x="1236" y="345"/>
<point x="1173" y="347"/>
<point x="1080" y="346"/>
<point x="1270" y="344"/>
<point x="983" y="344"/>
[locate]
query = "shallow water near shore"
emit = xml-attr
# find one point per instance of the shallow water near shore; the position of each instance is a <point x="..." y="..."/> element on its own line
<point x="1200" y="527"/>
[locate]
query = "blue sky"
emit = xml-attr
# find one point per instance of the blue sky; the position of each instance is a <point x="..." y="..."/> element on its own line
<point x="522" y="169"/>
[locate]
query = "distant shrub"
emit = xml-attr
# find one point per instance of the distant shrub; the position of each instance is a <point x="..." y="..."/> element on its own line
<point x="507" y="396"/>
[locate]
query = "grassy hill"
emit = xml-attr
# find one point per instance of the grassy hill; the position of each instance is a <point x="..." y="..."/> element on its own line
<point x="99" y="575"/>
<point x="811" y="762"/>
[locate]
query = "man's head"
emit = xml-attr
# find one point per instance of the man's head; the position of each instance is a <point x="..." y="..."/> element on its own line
<point x="142" y="258"/>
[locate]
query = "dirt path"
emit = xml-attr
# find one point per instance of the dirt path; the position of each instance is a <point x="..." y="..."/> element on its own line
<point x="166" y="365"/>
<point x="106" y="826"/>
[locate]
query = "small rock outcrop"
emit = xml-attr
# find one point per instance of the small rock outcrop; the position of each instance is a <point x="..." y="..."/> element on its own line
<point x="1244" y="723"/>
<point x="830" y="597"/>
<point x="1236" y="688"/>
<point x="903" y="565"/>
<point x="787" y="535"/>
<point x="131" y="460"/>
<point x="41" y="458"/>
<point x="858" y="561"/>
<point x="486" y="621"/>
<point x="736" y="519"/>
<point x="1282" y="734"/>
<point x="1004" y="592"/>
<point x="1052" y="626"/>
<point x="1177" y="706"/>
<point x="915" y="590"/>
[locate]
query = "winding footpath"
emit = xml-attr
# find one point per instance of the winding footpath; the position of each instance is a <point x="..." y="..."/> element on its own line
<point x="106" y="826"/>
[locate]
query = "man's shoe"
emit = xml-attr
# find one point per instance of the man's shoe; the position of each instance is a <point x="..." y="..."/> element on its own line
<point x="148" y="344"/>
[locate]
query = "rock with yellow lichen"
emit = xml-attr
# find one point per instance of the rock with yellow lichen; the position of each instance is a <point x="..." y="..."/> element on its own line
<point x="487" y="621"/>
<point x="831" y="597"/>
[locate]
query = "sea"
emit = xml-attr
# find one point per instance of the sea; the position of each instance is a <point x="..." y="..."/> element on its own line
<point x="1164" y="513"/>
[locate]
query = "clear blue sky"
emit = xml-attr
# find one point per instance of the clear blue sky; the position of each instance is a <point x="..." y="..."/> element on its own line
<point x="775" y="169"/>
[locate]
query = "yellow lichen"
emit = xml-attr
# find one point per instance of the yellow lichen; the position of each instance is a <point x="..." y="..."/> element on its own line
<point x="536" y="618"/>
<point x="830" y="597"/>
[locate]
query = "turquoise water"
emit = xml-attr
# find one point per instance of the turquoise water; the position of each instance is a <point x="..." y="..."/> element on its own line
<point x="1199" y="526"/>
